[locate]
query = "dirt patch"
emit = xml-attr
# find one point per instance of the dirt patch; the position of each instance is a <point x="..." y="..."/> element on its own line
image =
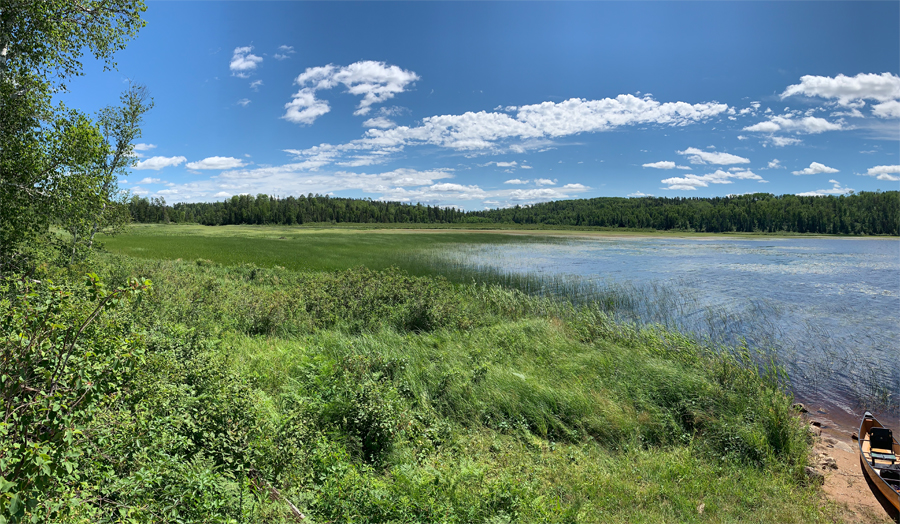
<point x="836" y="455"/>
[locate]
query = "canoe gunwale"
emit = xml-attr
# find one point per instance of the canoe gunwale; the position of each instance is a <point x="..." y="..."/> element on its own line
<point x="871" y="469"/>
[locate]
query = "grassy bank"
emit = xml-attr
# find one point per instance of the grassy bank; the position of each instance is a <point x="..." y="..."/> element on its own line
<point x="374" y="396"/>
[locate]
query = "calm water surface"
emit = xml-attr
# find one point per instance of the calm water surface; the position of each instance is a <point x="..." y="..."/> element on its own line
<point x="831" y="307"/>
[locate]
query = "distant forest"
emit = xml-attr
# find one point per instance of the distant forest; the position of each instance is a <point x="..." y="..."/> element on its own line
<point x="864" y="213"/>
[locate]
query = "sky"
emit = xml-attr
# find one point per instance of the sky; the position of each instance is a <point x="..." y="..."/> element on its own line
<point x="494" y="104"/>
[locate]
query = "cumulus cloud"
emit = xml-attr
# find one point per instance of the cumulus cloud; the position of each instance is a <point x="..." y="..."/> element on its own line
<point x="254" y="85"/>
<point x="284" y="52"/>
<point x="638" y="194"/>
<point x="808" y="125"/>
<point x="575" y="186"/>
<point x="698" y="156"/>
<point x="516" y="181"/>
<point x="379" y="122"/>
<point x="149" y="180"/>
<point x="848" y="90"/>
<point x="889" y="173"/>
<point x="376" y="82"/>
<point x="577" y="115"/>
<point x="815" y="168"/>
<point x="158" y="162"/>
<point x="836" y="189"/>
<point x="305" y="108"/>
<point x="144" y="147"/>
<point x="774" y="164"/>
<point x="889" y="109"/>
<point x="244" y="102"/>
<point x="692" y="182"/>
<point x="544" y="181"/>
<point x="243" y="62"/>
<point x="216" y="162"/>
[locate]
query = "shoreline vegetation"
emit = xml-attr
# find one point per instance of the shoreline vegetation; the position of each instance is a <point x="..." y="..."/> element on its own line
<point x="377" y="396"/>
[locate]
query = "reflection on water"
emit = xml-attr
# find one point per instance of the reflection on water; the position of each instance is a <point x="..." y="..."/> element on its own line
<point x="830" y="307"/>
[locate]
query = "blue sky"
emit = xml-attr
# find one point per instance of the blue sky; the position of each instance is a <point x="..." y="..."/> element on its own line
<point x="494" y="104"/>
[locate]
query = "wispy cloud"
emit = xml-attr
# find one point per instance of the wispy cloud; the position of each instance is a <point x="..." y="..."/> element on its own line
<point x="692" y="182"/>
<point x="836" y="189"/>
<point x="216" y="162"/>
<point x="284" y="52"/>
<point x="159" y="162"/>
<point x="698" y="156"/>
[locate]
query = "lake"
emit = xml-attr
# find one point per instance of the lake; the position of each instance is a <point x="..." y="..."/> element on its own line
<point x="830" y="307"/>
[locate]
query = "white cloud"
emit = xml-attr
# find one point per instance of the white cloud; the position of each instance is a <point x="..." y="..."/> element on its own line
<point x="243" y="62"/>
<point x="379" y="122"/>
<point x="284" y="52"/>
<point x="376" y="82"/>
<point x="244" y="102"/>
<point x="484" y="132"/>
<point x="144" y="147"/>
<point x="149" y="180"/>
<point x="535" y="195"/>
<point x="848" y="90"/>
<point x="506" y="164"/>
<point x="158" y="162"/>
<point x="889" y="173"/>
<point x="692" y="182"/>
<point x="544" y="181"/>
<point x="835" y="190"/>
<point x="815" y="168"/>
<point x="662" y="164"/>
<point x="575" y="186"/>
<point x="809" y="125"/>
<point x="774" y="164"/>
<point x="665" y="164"/>
<point x="222" y="194"/>
<point x="305" y="108"/>
<point x="254" y="85"/>
<point x="638" y="194"/>
<point x="526" y="167"/>
<point x="698" y="156"/>
<point x="216" y="162"/>
<point x="889" y="109"/>
<point x="781" y="141"/>
<point x="516" y="181"/>
<point x="577" y="115"/>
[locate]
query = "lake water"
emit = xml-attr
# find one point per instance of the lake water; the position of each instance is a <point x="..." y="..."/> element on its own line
<point x="830" y="306"/>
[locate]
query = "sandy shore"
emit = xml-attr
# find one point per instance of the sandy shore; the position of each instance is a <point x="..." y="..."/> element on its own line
<point x="836" y="455"/>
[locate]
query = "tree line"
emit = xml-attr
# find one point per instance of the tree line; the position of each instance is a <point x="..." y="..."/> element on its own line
<point x="863" y="213"/>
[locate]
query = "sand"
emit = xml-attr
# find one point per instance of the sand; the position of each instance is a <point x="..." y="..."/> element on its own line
<point x="845" y="484"/>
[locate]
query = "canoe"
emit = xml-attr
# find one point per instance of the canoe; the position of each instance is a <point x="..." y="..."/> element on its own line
<point x="879" y="454"/>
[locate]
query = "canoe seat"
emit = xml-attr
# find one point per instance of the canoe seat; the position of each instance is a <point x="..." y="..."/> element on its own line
<point x="882" y="439"/>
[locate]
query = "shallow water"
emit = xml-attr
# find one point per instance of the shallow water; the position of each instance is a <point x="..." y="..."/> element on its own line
<point x="829" y="306"/>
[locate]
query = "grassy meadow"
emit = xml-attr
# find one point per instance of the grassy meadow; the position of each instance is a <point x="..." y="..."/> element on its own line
<point x="316" y="365"/>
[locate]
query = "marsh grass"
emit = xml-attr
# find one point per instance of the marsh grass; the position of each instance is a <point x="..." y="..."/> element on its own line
<point x="377" y="396"/>
<point x="817" y="360"/>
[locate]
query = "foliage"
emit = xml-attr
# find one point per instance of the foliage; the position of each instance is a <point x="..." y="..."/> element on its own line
<point x="502" y="407"/>
<point x="88" y="199"/>
<point x="42" y="143"/>
<point x="57" y="363"/>
<point x="863" y="213"/>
